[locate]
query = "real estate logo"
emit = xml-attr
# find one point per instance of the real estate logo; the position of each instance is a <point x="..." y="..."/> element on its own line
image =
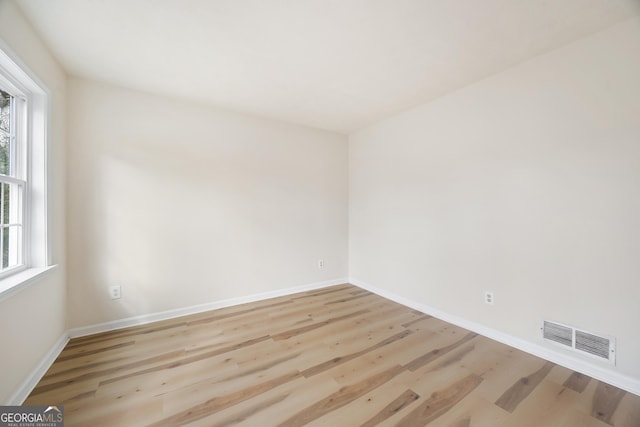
<point x="31" y="416"/>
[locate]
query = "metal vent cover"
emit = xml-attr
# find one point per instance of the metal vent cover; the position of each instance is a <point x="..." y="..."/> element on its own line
<point x="593" y="344"/>
<point x="558" y="333"/>
<point x="600" y="347"/>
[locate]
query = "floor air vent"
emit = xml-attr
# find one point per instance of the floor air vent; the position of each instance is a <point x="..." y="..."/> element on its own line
<point x="558" y="333"/>
<point x="593" y="345"/>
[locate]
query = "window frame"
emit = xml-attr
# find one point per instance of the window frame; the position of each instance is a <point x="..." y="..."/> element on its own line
<point x="17" y="79"/>
<point x="18" y="174"/>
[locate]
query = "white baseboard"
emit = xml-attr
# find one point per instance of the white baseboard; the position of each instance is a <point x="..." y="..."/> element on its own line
<point x="32" y="380"/>
<point x="171" y="314"/>
<point x="601" y="373"/>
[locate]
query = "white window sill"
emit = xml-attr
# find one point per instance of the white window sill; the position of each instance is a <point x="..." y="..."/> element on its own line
<point x="13" y="284"/>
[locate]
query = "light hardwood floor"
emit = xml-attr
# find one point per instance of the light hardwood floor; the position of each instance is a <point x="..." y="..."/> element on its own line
<point x="339" y="356"/>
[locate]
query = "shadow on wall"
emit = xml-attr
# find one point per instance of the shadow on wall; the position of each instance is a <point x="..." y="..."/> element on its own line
<point x="176" y="228"/>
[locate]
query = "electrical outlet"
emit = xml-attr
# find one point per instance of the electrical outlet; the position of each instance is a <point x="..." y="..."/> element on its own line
<point x="488" y="297"/>
<point x="320" y="264"/>
<point x="114" y="292"/>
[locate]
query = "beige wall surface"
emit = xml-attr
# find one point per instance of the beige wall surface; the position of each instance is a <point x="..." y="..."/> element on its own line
<point x="33" y="320"/>
<point x="181" y="204"/>
<point x="526" y="184"/>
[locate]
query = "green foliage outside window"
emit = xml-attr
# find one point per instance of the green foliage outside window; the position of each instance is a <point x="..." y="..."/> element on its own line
<point x="5" y="167"/>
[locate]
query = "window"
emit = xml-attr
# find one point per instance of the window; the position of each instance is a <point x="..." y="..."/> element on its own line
<point x="24" y="253"/>
<point x="12" y="182"/>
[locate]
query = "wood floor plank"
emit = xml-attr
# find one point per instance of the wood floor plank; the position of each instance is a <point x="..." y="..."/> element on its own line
<point x="401" y="402"/>
<point x="301" y="330"/>
<point x="463" y="422"/>
<point x="108" y="372"/>
<point x="361" y="409"/>
<point x="86" y="352"/>
<point x="67" y="393"/>
<point x="207" y="385"/>
<point x="180" y="361"/>
<point x="158" y="383"/>
<point x="577" y="418"/>
<point x="291" y="397"/>
<point x="605" y="401"/>
<point x="316" y="293"/>
<point x="256" y="407"/>
<point x="452" y="358"/>
<point x="473" y="411"/>
<point x="343" y="341"/>
<point x="501" y="367"/>
<point x="346" y="358"/>
<point x="511" y="398"/>
<point x="553" y="397"/>
<point x="577" y="382"/>
<point x="351" y="298"/>
<point x="421" y="318"/>
<point x="138" y="415"/>
<point x="628" y="412"/>
<point x="341" y="398"/>
<point x="133" y="331"/>
<point x="438" y="352"/>
<point x="215" y="404"/>
<point x="381" y="323"/>
<point x="378" y="360"/>
<point x="440" y="402"/>
<point x="338" y="356"/>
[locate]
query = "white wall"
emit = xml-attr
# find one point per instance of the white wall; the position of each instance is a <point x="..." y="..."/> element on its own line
<point x="182" y="204"/>
<point x="526" y="184"/>
<point x="33" y="320"/>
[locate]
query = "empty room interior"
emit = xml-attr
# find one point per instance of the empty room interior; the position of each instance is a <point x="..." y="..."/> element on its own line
<point x="322" y="212"/>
